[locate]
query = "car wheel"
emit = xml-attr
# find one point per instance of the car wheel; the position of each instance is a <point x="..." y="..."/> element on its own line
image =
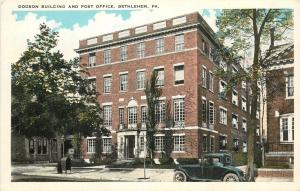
<point x="231" y="177"/>
<point x="179" y="177"/>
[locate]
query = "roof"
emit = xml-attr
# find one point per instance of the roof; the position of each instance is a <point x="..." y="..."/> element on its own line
<point x="280" y="54"/>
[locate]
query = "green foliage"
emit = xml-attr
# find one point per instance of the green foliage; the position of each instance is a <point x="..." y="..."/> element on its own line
<point x="239" y="159"/>
<point x="152" y="92"/>
<point x="49" y="94"/>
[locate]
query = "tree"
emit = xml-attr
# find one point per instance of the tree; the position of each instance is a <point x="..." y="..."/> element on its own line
<point x="244" y="30"/>
<point x="51" y="96"/>
<point x="153" y="92"/>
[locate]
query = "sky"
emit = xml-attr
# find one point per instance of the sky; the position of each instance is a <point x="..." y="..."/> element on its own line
<point x="79" y="24"/>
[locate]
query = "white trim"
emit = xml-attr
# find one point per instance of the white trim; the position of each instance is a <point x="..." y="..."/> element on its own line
<point x="178" y="151"/>
<point x="280" y="154"/>
<point x="221" y="107"/>
<point x="140" y="70"/>
<point x="143" y="98"/>
<point x="121" y="107"/>
<point x="121" y="99"/>
<point x="178" y="134"/>
<point x="146" y="57"/>
<point x="203" y="65"/>
<point x="158" y="67"/>
<point x="178" y="64"/>
<point x="106" y="137"/>
<point x="282" y="66"/>
<point x="159" y="135"/>
<point x="287" y="115"/>
<point x="107" y="75"/>
<point x="204" y="98"/>
<point x="223" y="135"/>
<point x="106" y="103"/>
<point x="134" y="39"/>
<point x="126" y="72"/>
<point x="178" y="96"/>
<point x="212" y="136"/>
<point x="91" y="77"/>
<point x="162" y="98"/>
<point x="94" y="137"/>
<point x="210" y="130"/>
<point x="143" y="105"/>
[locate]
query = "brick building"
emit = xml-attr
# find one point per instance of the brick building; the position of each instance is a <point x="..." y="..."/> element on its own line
<point x="181" y="50"/>
<point x="279" y="117"/>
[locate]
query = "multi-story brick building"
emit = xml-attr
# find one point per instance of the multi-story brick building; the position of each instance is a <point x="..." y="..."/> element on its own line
<point x="279" y="117"/>
<point x="181" y="50"/>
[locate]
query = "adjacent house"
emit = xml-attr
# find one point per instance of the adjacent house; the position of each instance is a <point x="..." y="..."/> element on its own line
<point x="279" y="118"/>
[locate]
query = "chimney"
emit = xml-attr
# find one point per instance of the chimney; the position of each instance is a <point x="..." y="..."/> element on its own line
<point x="272" y="38"/>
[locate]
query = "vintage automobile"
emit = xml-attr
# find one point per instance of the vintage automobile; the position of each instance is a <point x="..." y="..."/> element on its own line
<point x="212" y="167"/>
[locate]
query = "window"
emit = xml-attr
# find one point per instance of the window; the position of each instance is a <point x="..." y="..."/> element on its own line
<point x="92" y="59"/>
<point x="211" y="81"/>
<point x="244" y="104"/>
<point x="160" y="77"/>
<point x="290" y="86"/>
<point x="204" y="79"/>
<point x="234" y="70"/>
<point x="54" y="145"/>
<point x="223" y="116"/>
<point x="204" y="112"/>
<point x="223" y="142"/>
<point x="293" y="128"/>
<point x="106" y="145"/>
<point x="123" y="82"/>
<point x="123" y="53"/>
<point x="160" y="111"/>
<point x="107" y="84"/>
<point x="179" y="74"/>
<point x="91" y="145"/>
<point x="107" y="56"/>
<point x="204" y="143"/>
<point x="142" y="144"/>
<point x="235" y="143"/>
<point x="121" y="117"/>
<point x="143" y="114"/>
<point x="287" y="129"/>
<point x="159" y="25"/>
<point x="244" y="125"/>
<point x="31" y="146"/>
<point x="244" y="147"/>
<point x="91" y="41"/>
<point x="244" y="84"/>
<point x="211" y="113"/>
<point x="212" y="144"/>
<point x="107" y="119"/>
<point x="132" y="115"/>
<point x="140" y="80"/>
<point x="107" y="37"/>
<point x="234" y="97"/>
<point x="140" y="51"/>
<point x="205" y="47"/>
<point x="159" y="46"/>
<point x="179" y="20"/>
<point x="179" y="42"/>
<point x="92" y="84"/>
<point x="179" y="113"/>
<point x="141" y="30"/>
<point x="42" y="146"/>
<point x="159" y="143"/>
<point x="222" y="89"/>
<point x="179" y="143"/>
<point x="234" y="121"/>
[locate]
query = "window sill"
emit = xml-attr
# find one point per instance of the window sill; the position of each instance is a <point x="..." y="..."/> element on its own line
<point x="90" y="152"/>
<point x="179" y="84"/>
<point x="178" y="151"/>
<point x="289" y="98"/>
<point x="141" y="89"/>
<point x="123" y="91"/>
<point x="286" y="142"/>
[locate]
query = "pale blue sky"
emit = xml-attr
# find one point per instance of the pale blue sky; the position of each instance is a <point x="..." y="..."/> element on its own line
<point x="71" y="17"/>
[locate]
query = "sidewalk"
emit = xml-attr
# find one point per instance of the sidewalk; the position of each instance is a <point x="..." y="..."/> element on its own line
<point x="100" y="173"/>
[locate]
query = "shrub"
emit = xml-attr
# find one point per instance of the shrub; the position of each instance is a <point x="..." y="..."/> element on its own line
<point x="239" y="159"/>
<point x="187" y="160"/>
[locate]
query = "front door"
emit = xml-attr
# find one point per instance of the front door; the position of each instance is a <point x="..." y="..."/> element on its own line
<point x="130" y="143"/>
